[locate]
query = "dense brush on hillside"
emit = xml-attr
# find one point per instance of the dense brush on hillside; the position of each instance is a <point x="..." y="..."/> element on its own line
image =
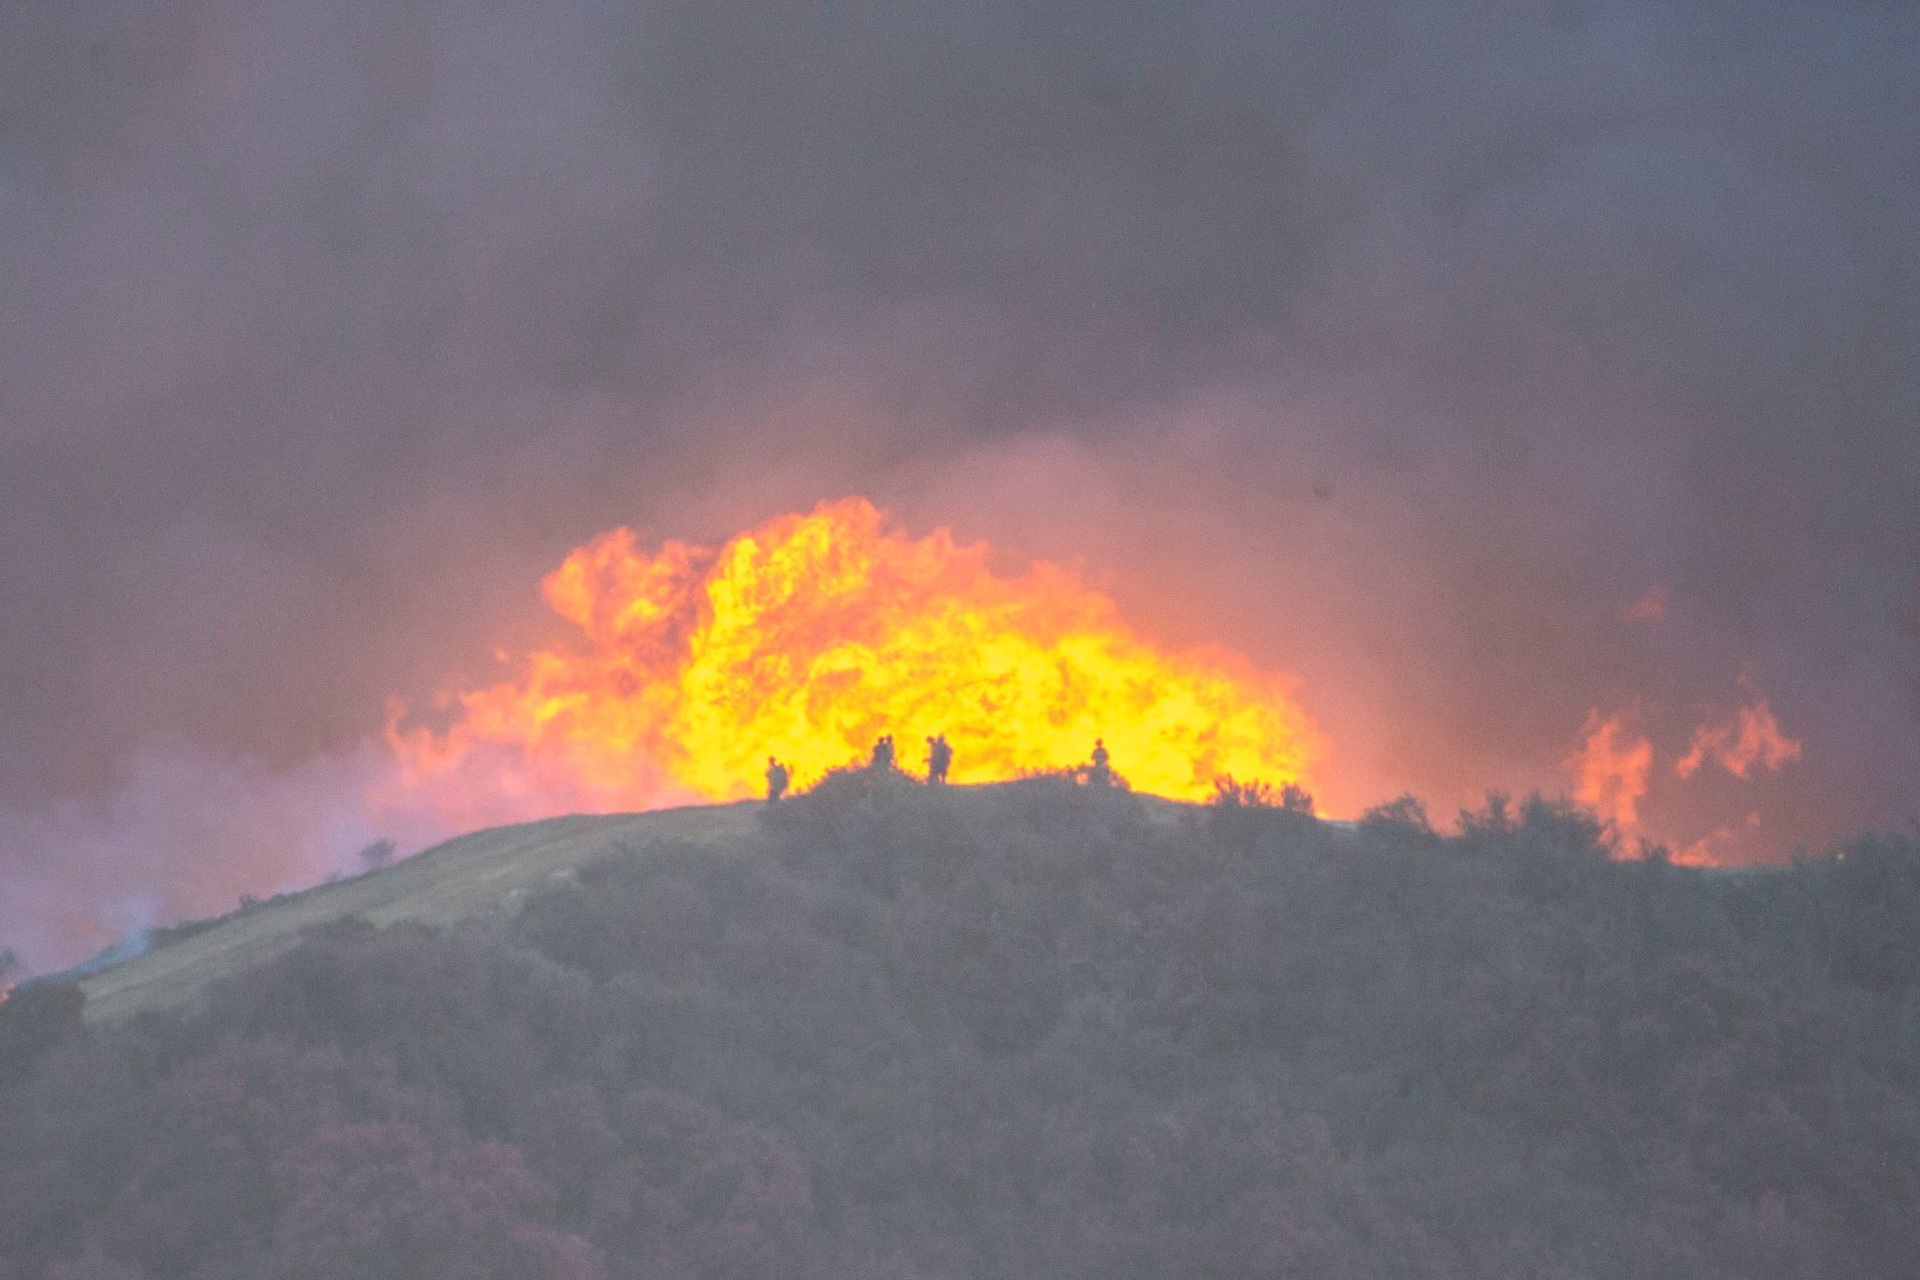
<point x="1042" y="1031"/>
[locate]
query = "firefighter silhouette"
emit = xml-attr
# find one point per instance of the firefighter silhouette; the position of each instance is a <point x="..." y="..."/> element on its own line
<point x="939" y="758"/>
<point x="882" y="753"/>
<point x="777" y="778"/>
<point x="1100" y="772"/>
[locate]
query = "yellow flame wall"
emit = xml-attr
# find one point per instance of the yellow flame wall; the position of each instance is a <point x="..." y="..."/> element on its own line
<point x="808" y="637"/>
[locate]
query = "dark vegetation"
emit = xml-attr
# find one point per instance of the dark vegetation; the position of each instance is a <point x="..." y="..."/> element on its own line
<point x="1037" y="1032"/>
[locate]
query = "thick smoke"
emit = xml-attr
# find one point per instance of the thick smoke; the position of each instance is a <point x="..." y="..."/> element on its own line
<point x="1499" y="370"/>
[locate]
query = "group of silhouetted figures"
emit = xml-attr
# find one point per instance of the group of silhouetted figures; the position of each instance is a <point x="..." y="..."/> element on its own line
<point x="1098" y="773"/>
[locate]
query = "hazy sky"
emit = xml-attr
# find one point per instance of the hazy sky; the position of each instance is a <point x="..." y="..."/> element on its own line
<point x="1401" y="346"/>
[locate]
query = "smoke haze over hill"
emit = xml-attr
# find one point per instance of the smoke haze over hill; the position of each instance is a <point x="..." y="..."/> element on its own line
<point x="1500" y="373"/>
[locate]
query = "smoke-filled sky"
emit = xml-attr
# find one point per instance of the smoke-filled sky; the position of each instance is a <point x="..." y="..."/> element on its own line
<point x="1536" y="383"/>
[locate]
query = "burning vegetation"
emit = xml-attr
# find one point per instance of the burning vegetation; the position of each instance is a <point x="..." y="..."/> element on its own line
<point x="696" y="673"/>
<point x="808" y="638"/>
<point x="1613" y="768"/>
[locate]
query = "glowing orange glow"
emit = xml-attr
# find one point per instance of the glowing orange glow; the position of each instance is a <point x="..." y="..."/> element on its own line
<point x="1754" y="738"/>
<point x="809" y="637"/>
<point x="1703" y="852"/>
<point x="1610" y="766"/>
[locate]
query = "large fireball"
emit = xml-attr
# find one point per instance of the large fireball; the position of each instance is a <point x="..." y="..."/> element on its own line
<point x="809" y="637"/>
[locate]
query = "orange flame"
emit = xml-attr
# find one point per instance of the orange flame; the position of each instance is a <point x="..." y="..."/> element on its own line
<point x="1703" y="852"/>
<point x="809" y="637"/>
<point x="1610" y="767"/>
<point x="1755" y="737"/>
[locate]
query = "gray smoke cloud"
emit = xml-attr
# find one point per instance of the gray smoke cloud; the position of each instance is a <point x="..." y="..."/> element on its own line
<point x="1402" y="346"/>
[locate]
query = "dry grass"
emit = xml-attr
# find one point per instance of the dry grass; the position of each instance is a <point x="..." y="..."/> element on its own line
<point x="473" y="875"/>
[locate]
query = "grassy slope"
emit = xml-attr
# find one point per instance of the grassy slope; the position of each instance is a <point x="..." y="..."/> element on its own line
<point x="469" y="876"/>
<point x="466" y="877"/>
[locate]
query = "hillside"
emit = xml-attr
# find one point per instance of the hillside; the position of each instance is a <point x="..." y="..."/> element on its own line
<point x="469" y="877"/>
<point x="1035" y="1031"/>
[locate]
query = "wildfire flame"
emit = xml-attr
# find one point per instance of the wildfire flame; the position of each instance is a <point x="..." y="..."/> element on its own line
<point x="1610" y="767"/>
<point x="1612" y="764"/>
<point x="806" y="639"/>
<point x="1754" y="738"/>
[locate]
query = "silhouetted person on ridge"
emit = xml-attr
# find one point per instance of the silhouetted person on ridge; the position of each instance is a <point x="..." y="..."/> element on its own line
<point x="777" y="778"/>
<point x="882" y="754"/>
<point x="939" y="758"/>
<point x="1100" y="772"/>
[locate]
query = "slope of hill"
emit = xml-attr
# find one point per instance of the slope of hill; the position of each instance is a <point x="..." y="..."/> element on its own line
<point x="468" y="877"/>
<point x="1026" y="1031"/>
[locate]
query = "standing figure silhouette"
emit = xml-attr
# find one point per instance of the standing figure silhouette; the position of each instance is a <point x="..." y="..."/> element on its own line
<point x="1100" y="772"/>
